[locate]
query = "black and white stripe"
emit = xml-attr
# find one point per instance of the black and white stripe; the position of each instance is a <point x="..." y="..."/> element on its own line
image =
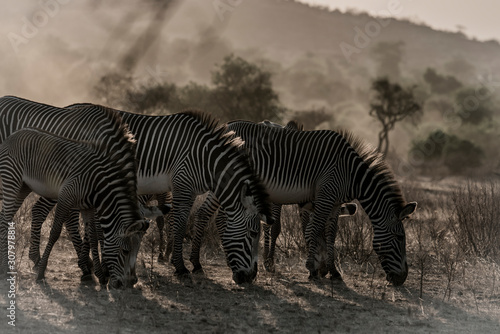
<point x="330" y="168"/>
<point x="87" y="175"/>
<point x="189" y="154"/>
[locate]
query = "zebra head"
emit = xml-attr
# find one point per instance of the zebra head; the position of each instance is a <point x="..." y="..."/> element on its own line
<point x="389" y="242"/>
<point x="241" y="237"/>
<point x="121" y="257"/>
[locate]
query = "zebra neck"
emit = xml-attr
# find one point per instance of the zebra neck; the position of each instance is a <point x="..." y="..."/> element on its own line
<point x="375" y="195"/>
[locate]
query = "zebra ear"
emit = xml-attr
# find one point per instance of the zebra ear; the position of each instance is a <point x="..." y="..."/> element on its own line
<point x="407" y="210"/>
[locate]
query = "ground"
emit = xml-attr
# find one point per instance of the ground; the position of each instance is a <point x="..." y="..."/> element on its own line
<point x="284" y="301"/>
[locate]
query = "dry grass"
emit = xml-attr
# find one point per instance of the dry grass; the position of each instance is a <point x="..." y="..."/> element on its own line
<point x="451" y="287"/>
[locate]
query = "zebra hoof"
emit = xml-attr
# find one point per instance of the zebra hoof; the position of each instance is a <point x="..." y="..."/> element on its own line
<point x="36" y="265"/>
<point x="335" y="275"/>
<point x="269" y="265"/>
<point x="198" y="269"/>
<point x="86" y="278"/>
<point x="182" y="272"/>
<point x="40" y="278"/>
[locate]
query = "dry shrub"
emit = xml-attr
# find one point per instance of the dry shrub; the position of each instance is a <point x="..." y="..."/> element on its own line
<point x="291" y="239"/>
<point x="354" y="237"/>
<point x="474" y="219"/>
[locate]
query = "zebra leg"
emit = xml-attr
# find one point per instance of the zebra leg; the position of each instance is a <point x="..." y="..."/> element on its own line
<point x="100" y="240"/>
<point x="90" y="239"/>
<point x="39" y="213"/>
<point x="91" y="231"/>
<point x="205" y="212"/>
<point x="169" y="223"/>
<point x="271" y="234"/>
<point x="314" y="229"/>
<point x="160" y="223"/>
<point x="63" y="211"/>
<point x="73" y="228"/>
<point x="331" y="231"/>
<point x="306" y="216"/>
<point x="182" y="204"/>
<point x="14" y="195"/>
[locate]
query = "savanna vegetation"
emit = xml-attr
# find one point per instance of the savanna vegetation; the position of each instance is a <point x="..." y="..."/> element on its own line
<point x="428" y="101"/>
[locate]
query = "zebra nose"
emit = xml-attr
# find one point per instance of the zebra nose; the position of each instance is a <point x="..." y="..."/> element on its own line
<point x="398" y="278"/>
<point x="239" y="277"/>
<point x="242" y="276"/>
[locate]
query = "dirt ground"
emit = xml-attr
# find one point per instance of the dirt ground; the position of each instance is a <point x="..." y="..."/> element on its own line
<point x="211" y="303"/>
<point x="285" y="301"/>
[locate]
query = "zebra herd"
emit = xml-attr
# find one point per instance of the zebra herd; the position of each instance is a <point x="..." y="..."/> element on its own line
<point x="105" y="164"/>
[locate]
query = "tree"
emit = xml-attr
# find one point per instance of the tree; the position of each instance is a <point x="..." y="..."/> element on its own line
<point x="441" y="84"/>
<point x="310" y="119"/>
<point x="391" y="104"/>
<point x="244" y="91"/>
<point x="389" y="56"/>
<point x="474" y="105"/>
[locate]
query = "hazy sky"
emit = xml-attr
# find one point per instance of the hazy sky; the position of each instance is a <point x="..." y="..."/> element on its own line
<point x="479" y="18"/>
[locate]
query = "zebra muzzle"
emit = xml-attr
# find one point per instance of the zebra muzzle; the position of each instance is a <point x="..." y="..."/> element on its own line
<point x="242" y="276"/>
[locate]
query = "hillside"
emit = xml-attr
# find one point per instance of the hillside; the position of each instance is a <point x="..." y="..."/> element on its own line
<point x="300" y="45"/>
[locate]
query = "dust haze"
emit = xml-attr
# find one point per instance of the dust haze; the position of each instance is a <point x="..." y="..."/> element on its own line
<point x="56" y="51"/>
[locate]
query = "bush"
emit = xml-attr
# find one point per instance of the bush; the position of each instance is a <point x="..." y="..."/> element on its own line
<point x="474" y="220"/>
<point x="311" y="119"/>
<point x="474" y="105"/>
<point x="460" y="155"/>
<point x="441" y="84"/>
<point x="441" y="149"/>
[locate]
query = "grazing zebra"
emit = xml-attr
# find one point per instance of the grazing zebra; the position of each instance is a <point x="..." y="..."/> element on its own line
<point x="189" y="154"/>
<point x="42" y="208"/>
<point x="91" y="124"/>
<point x="94" y="235"/>
<point x="271" y="232"/>
<point x="330" y="168"/>
<point x="88" y="176"/>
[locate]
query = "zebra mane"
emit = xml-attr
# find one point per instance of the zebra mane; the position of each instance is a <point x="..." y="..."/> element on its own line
<point x="376" y="163"/>
<point x="237" y="152"/>
<point x="294" y="125"/>
<point x="120" y="140"/>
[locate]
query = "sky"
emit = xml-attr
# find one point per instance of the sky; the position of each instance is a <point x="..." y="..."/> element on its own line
<point x="478" y="18"/>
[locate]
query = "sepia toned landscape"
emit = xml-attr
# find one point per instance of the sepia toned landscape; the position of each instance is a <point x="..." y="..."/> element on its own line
<point x="427" y="99"/>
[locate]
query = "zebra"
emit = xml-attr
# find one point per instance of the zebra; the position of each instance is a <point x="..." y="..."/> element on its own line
<point x="95" y="176"/>
<point x="91" y="124"/>
<point x="42" y="208"/>
<point x="330" y="168"/>
<point x="271" y="232"/>
<point x="188" y="153"/>
<point x="94" y="235"/>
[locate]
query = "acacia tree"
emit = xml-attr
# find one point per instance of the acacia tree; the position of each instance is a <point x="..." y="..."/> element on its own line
<point x="390" y="105"/>
<point x="244" y="91"/>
